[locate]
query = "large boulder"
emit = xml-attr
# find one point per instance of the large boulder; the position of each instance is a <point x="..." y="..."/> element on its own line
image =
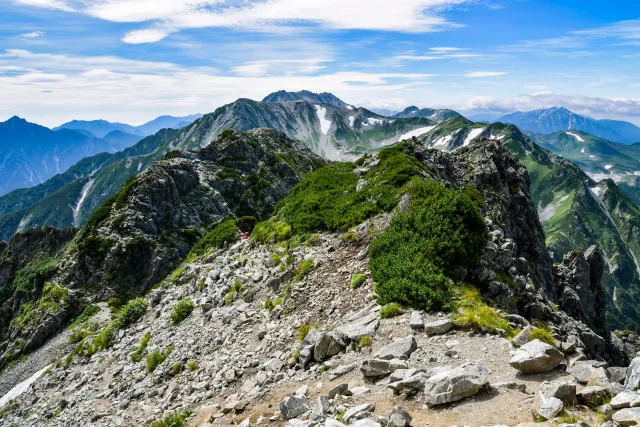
<point x="627" y="417"/>
<point x="352" y="414"/>
<point x="326" y="346"/>
<point x="624" y="399"/>
<point x="399" y="349"/>
<point x="536" y="357"/>
<point x="399" y="417"/>
<point x="593" y="396"/>
<point x="551" y="399"/>
<point x="294" y="406"/>
<point x="364" y="326"/>
<point x="582" y="370"/>
<point x="456" y="384"/>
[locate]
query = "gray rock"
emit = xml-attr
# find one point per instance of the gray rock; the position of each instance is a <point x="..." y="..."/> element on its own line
<point x="523" y="337"/>
<point x="546" y="407"/>
<point x="353" y="413"/>
<point x="593" y="396"/>
<point x="617" y="374"/>
<point x="561" y="390"/>
<point x="329" y="422"/>
<point x="375" y="368"/>
<point x="456" y="384"/>
<point x="623" y="400"/>
<point x="415" y="321"/>
<point x="399" y="349"/>
<point x="627" y="417"/>
<point x="633" y="375"/>
<point x="438" y="327"/>
<point x="326" y="347"/>
<point x="294" y="406"/>
<point x="338" y="390"/>
<point x="366" y="423"/>
<point x="366" y="325"/>
<point x="536" y="357"/>
<point x="410" y="385"/>
<point x="582" y="369"/>
<point x="399" y="417"/>
<point x="320" y="410"/>
<point x="600" y="377"/>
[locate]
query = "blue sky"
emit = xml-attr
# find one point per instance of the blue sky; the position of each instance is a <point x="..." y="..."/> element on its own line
<point x="132" y="60"/>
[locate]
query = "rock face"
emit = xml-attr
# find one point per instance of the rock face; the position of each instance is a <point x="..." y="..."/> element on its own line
<point x="134" y="244"/>
<point x="456" y="384"/>
<point x="633" y="375"/>
<point x="536" y="357"/>
<point x="579" y="291"/>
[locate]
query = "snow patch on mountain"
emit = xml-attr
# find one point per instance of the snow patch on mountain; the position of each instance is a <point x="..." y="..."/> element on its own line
<point x="415" y="132"/>
<point x="472" y="135"/>
<point x="324" y="123"/>
<point x="608" y="167"/>
<point x="576" y="136"/>
<point x="352" y="119"/>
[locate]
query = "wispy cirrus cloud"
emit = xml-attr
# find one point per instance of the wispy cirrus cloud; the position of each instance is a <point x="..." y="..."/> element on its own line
<point x="165" y="17"/>
<point x="484" y="74"/>
<point x="438" y="53"/>
<point x="32" y="34"/>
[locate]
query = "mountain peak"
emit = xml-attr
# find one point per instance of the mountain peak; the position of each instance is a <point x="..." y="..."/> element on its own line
<point x="305" y="95"/>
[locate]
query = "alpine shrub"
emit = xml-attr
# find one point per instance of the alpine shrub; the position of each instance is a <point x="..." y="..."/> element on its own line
<point x="411" y="259"/>
<point x="181" y="310"/>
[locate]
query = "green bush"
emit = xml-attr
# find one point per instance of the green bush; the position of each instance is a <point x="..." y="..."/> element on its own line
<point x="181" y="310"/>
<point x="391" y="310"/>
<point x="192" y="366"/>
<point x="228" y="299"/>
<point x="410" y="260"/>
<point x="131" y="312"/>
<point x="365" y="341"/>
<point x="326" y="200"/>
<point x="136" y="356"/>
<point x="358" y="280"/>
<point x="175" y="420"/>
<point x="156" y="358"/>
<point x="543" y="335"/>
<point x="224" y="231"/>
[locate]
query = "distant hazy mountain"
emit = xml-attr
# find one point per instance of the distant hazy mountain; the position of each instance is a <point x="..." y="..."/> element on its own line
<point x="101" y="128"/>
<point x="560" y="119"/>
<point x="30" y="154"/>
<point x="121" y="139"/>
<point x="167" y="122"/>
<point x="437" y="116"/>
<point x="305" y="95"/>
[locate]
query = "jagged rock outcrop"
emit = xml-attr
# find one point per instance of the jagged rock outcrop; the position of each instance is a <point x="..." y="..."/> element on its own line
<point x="142" y="235"/>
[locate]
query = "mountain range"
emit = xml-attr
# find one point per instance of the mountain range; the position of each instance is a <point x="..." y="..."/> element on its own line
<point x="102" y="128"/>
<point x="560" y="119"/>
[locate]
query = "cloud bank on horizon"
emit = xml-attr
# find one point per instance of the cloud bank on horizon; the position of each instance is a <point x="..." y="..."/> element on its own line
<point x="132" y="60"/>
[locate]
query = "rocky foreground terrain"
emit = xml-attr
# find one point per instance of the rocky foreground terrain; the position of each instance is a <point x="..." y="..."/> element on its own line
<point x="289" y="330"/>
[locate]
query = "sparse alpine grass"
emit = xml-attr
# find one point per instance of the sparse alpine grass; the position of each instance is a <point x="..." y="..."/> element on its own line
<point x="156" y="358"/>
<point x="357" y="280"/>
<point x="181" y="310"/>
<point x="136" y="356"/>
<point x="175" y="420"/>
<point x="473" y="313"/>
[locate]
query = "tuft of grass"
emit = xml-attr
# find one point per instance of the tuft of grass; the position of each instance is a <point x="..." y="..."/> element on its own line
<point x="131" y="312"/>
<point x="365" y="341"/>
<point x="473" y="313"/>
<point x="270" y="304"/>
<point x="303" y="331"/>
<point x="228" y="299"/>
<point x="175" y="420"/>
<point x="181" y="310"/>
<point x="305" y="266"/>
<point x="88" y="312"/>
<point x="567" y="418"/>
<point x="136" y="356"/>
<point x="391" y="310"/>
<point x="156" y="358"/>
<point x="358" y="280"/>
<point x="543" y="335"/>
<point x="192" y="366"/>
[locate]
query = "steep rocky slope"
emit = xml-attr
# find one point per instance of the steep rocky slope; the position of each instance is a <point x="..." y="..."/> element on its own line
<point x="250" y="330"/>
<point x="142" y="233"/>
<point x="575" y="211"/>
<point x="437" y="116"/>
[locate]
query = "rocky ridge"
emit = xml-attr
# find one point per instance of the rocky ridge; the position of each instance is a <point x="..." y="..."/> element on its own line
<point x="271" y="342"/>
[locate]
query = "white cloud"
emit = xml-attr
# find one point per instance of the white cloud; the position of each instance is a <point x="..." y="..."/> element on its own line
<point x="118" y="89"/>
<point x="47" y="4"/>
<point x="168" y="16"/>
<point x="482" y="74"/>
<point x="280" y="66"/>
<point x="145" y="36"/>
<point x="32" y="35"/>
